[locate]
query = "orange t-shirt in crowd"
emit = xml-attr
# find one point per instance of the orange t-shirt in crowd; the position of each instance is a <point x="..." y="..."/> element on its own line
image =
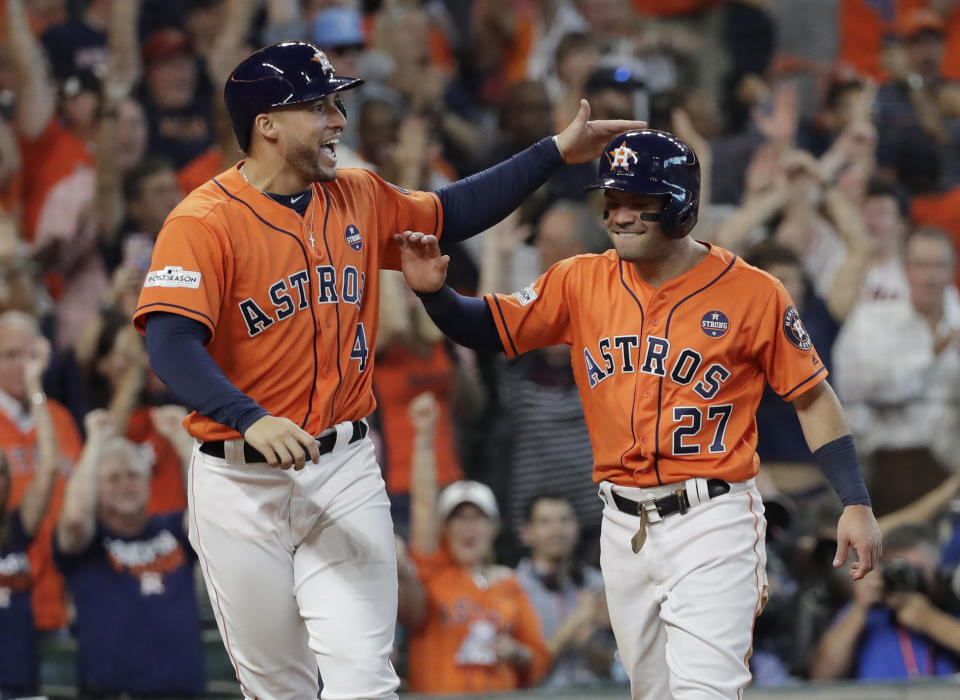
<point x="286" y="299"/>
<point x="940" y="210"/>
<point x="401" y="375"/>
<point x="47" y="159"/>
<point x="451" y="652"/>
<point x="670" y="377"/>
<point x="205" y="166"/>
<point x="18" y="440"/>
<point x="672" y="8"/>
<point x="166" y="482"/>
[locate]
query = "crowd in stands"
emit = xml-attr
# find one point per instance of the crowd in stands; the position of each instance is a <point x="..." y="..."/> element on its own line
<point x="828" y="133"/>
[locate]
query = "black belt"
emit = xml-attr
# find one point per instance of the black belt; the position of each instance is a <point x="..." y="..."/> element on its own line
<point x="676" y="502"/>
<point x="252" y="455"/>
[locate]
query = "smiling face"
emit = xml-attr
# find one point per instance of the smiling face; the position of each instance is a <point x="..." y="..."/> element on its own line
<point x="634" y="239"/>
<point x="469" y="533"/>
<point x="307" y="135"/>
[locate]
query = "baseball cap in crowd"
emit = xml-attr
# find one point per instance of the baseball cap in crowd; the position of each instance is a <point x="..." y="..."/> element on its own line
<point x="473" y="492"/>
<point x="918" y="22"/>
<point x="164" y="44"/>
<point x="338" y="27"/>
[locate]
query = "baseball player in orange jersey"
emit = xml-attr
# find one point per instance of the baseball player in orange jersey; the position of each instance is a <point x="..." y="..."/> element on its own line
<point x="260" y="312"/>
<point x="672" y="341"/>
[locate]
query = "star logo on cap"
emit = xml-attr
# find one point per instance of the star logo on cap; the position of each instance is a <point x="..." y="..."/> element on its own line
<point x="621" y="156"/>
<point x="321" y="58"/>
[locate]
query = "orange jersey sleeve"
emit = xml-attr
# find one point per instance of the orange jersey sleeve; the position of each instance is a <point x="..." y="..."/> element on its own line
<point x="670" y="377"/>
<point x="290" y="300"/>
<point x="451" y="653"/>
<point x="539" y="315"/>
<point x="187" y="273"/>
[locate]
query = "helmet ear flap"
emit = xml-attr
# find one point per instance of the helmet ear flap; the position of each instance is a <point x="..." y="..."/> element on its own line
<point x="679" y="218"/>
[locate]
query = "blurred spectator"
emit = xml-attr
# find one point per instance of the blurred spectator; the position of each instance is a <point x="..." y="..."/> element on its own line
<point x="477" y="631"/>
<point x="177" y="97"/>
<point x="553" y="22"/>
<point x="897" y="369"/>
<point x="567" y="595"/>
<point x="150" y="192"/>
<point x="19" y="662"/>
<point x="80" y="42"/>
<point x="885" y="212"/>
<point x="895" y="627"/>
<point x="130" y="575"/>
<point x="918" y="108"/>
<point x="412" y="357"/>
<point x="19" y="439"/>
<point x="843" y="104"/>
<point x="576" y="57"/>
<point x="810" y="216"/>
<point x="119" y="379"/>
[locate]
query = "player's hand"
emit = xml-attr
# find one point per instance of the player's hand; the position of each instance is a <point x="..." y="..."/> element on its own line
<point x="584" y="140"/>
<point x="284" y="443"/>
<point x="858" y="528"/>
<point x="424" y="268"/>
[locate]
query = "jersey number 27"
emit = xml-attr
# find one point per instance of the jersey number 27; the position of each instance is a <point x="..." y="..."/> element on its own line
<point x="690" y="421"/>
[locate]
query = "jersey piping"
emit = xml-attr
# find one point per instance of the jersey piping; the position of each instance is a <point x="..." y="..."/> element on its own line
<point x="182" y="308"/>
<point x="633" y="404"/>
<point x="336" y="309"/>
<point x="506" y="328"/>
<point x="306" y="258"/>
<point x="666" y="334"/>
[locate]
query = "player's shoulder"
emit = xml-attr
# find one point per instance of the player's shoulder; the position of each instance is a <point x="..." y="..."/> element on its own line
<point x="198" y="210"/>
<point x="362" y="178"/>
<point x="739" y="270"/>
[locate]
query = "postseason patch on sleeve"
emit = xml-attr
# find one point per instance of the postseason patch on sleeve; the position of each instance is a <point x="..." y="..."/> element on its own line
<point x="525" y="295"/>
<point x="173" y="276"/>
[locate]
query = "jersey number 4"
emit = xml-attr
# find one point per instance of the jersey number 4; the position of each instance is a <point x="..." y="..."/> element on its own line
<point x="360" y="351"/>
<point x="690" y="420"/>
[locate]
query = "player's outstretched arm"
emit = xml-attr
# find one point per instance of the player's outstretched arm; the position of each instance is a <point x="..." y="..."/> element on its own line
<point x="465" y="320"/>
<point x="828" y="437"/>
<point x="476" y="203"/>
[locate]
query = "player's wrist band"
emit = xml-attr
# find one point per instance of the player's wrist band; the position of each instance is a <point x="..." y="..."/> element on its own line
<point x="838" y="460"/>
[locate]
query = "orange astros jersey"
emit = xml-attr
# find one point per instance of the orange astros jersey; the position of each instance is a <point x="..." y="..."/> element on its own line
<point x="670" y="377"/>
<point x="293" y="321"/>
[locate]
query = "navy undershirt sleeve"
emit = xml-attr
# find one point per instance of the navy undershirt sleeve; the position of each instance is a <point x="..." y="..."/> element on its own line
<point x="467" y="321"/>
<point x="476" y="203"/>
<point x="175" y="345"/>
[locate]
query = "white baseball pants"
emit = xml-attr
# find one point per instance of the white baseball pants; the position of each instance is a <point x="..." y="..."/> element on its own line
<point x="301" y="571"/>
<point x="683" y="607"/>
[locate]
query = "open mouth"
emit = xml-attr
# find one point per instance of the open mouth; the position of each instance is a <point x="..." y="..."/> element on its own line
<point x="329" y="149"/>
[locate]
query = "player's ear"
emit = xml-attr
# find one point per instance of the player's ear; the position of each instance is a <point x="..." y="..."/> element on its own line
<point x="266" y="124"/>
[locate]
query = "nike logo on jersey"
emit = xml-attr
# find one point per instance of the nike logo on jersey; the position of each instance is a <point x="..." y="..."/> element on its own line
<point x="622" y="354"/>
<point x="291" y="294"/>
<point x="296" y="199"/>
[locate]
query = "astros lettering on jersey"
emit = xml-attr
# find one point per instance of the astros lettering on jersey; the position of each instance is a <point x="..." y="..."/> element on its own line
<point x="270" y="285"/>
<point x="670" y="377"/>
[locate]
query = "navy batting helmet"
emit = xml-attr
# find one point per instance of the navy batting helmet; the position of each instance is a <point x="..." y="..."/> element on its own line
<point x="280" y="74"/>
<point x="647" y="161"/>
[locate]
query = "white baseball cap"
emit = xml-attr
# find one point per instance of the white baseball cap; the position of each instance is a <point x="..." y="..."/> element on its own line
<point x="473" y="492"/>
